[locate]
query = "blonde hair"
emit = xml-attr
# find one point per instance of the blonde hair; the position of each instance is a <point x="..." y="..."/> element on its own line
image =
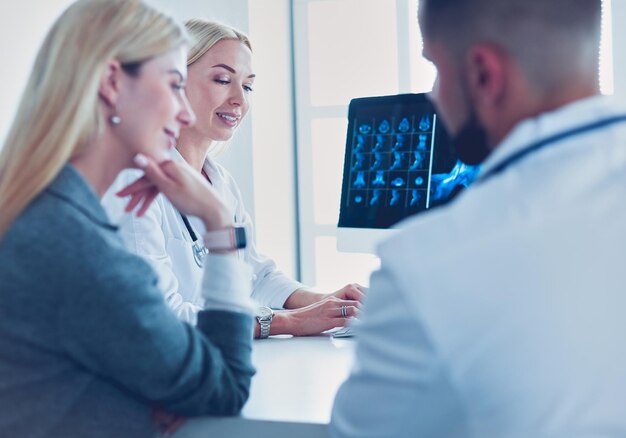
<point x="205" y="34"/>
<point x="59" y="113"/>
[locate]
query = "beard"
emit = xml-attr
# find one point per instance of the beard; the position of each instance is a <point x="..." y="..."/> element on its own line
<point x="470" y="142"/>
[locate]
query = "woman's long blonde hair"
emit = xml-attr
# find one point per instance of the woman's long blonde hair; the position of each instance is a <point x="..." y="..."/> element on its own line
<point x="59" y="113"/>
<point x="205" y="34"/>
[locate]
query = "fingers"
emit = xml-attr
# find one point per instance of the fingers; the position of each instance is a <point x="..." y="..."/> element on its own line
<point x="134" y="201"/>
<point x="347" y="312"/>
<point x="159" y="174"/>
<point x="351" y="291"/>
<point x="166" y="422"/>
<point x="338" y="308"/>
<point x="147" y="200"/>
<point x="186" y="189"/>
<point x="134" y="187"/>
<point x="174" y="426"/>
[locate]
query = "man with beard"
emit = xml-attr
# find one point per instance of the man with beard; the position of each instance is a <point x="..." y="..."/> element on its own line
<point x="501" y="314"/>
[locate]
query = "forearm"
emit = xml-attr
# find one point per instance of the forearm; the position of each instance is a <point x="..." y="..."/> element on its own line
<point x="282" y="324"/>
<point x="302" y="298"/>
<point x="226" y="284"/>
<point x="232" y="337"/>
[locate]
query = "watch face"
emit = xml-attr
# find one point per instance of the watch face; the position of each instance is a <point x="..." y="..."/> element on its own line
<point x="240" y="237"/>
<point x="264" y="312"/>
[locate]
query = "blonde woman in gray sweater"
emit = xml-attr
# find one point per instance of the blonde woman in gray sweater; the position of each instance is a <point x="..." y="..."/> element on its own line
<point x="88" y="347"/>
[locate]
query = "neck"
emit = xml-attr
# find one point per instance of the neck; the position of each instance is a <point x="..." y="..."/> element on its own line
<point x="521" y="109"/>
<point x="194" y="150"/>
<point x="100" y="164"/>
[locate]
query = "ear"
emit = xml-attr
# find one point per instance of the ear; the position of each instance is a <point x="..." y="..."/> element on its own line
<point x="110" y="83"/>
<point x="486" y="67"/>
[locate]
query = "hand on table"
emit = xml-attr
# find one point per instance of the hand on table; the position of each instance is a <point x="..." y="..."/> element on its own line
<point x="352" y="291"/>
<point x="317" y="317"/>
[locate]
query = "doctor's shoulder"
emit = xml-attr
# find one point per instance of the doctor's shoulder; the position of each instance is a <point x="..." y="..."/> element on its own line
<point x="465" y="221"/>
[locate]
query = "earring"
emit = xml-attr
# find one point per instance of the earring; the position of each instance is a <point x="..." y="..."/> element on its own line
<point x="115" y="120"/>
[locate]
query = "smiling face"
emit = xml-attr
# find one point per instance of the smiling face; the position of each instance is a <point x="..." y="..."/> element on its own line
<point x="219" y="88"/>
<point x="153" y="106"/>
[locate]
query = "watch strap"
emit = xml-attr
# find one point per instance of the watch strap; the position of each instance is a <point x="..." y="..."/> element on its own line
<point x="264" y="329"/>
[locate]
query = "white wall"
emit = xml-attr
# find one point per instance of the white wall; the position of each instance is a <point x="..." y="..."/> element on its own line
<point x="273" y="132"/>
<point x="24" y="25"/>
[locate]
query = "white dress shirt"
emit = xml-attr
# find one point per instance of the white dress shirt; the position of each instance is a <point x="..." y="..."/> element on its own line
<point x="160" y="236"/>
<point x="503" y="313"/>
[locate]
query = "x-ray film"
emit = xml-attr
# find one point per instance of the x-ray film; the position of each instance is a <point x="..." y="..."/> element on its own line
<point x="398" y="161"/>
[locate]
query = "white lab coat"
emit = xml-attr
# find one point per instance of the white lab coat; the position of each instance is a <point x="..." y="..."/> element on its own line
<point x="160" y="237"/>
<point x="502" y="314"/>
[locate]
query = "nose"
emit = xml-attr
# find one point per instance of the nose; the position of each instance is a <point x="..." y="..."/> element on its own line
<point x="237" y="96"/>
<point x="186" y="116"/>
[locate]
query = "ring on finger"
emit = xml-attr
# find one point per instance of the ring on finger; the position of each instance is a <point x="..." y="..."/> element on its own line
<point x="344" y="311"/>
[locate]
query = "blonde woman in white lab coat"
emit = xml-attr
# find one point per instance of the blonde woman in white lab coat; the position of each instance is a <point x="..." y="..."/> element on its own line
<point x="219" y="84"/>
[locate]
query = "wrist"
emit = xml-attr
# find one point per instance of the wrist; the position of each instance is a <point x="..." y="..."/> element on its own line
<point x="264" y="317"/>
<point x="215" y="221"/>
<point x="225" y="240"/>
<point x="281" y="323"/>
<point x="216" y="216"/>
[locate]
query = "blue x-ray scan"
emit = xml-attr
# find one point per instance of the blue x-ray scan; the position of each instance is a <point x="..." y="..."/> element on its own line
<point x="424" y="123"/>
<point x="365" y="129"/>
<point x="404" y="125"/>
<point x="384" y="127"/>
<point x="444" y="184"/>
<point x="359" y="182"/>
<point x="398" y="162"/>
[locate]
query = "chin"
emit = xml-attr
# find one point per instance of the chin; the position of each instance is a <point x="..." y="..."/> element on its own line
<point x="221" y="133"/>
<point x="222" y="136"/>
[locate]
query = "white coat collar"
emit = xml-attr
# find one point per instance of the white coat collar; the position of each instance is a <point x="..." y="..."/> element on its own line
<point x="567" y="117"/>
<point x="218" y="179"/>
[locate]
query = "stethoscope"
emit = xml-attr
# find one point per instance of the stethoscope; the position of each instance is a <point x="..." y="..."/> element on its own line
<point x="199" y="250"/>
<point x="534" y="147"/>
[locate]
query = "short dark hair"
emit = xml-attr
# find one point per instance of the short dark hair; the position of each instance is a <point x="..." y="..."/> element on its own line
<point x="541" y="34"/>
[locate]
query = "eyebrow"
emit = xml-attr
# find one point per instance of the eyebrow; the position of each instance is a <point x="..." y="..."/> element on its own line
<point x="230" y="69"/>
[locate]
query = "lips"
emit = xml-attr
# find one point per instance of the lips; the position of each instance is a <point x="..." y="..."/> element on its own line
<point x="172" y="136"/>
<point x="231" y="119"/>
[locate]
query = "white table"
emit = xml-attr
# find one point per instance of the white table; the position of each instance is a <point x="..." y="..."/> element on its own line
<point x="292" y="393"/>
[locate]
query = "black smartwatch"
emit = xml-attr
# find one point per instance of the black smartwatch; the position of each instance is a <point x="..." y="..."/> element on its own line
<point x="229" y="238"/>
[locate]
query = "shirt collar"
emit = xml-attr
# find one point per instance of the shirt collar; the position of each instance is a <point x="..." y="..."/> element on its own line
<point x="208" y="166"/>
<point x="529" y="131"/>
<point x="70" y="187"/>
